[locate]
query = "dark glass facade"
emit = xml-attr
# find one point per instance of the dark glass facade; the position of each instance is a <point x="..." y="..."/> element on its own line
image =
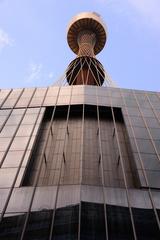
<point x="79" y="162"/>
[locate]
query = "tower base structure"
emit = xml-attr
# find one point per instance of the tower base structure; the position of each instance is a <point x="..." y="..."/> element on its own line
<point x="78" y="162"/>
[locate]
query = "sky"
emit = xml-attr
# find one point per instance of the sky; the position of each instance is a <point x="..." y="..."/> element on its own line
<point x="34" y="49"/>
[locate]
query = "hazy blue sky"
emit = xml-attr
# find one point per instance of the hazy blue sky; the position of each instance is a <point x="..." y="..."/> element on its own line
<point x="34" y="50"/>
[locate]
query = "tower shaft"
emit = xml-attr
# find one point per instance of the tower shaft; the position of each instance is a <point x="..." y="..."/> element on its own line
<point x="86" y="43"/>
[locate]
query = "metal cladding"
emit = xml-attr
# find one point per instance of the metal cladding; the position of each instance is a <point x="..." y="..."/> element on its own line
<point x="86" y="37"/>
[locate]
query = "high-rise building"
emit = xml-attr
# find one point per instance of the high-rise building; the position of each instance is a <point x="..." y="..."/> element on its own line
<point x="80" y="159"/>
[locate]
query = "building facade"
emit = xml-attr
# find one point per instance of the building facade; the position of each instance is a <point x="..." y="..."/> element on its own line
<point x="74" y="156"/>
<point x="79" y="162"/>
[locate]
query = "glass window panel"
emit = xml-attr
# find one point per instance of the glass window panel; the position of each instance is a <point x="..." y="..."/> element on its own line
<point x="156" y="105"/>
<point x="13" y="159"/>
<point x="23" y="102"/>
<point x="144" y="104"/>
<point x="52" y="91"/>
<point x="65" y="91"/>
<point x="4" y="143"/>
<point x="64" y="99"/>
<point x="92" y="221"/>
<point x="19" y="143"/>
<point x="90" y="99"/>
<point x="127" y="94"/>
<point x="38" y="226"/>
<point x="27" y="92"/>
<point x="50" y="101"/>
<point x="43" y="109"/>
<point x="1" y="156"/>
<point x="103" y="92"/>
<point x="145" y="224"/>
<point x="147" y="112"/>
<point x="1" y="101"/>
<point x="131" y="102"/>
<point x="24" y="130"/>
<point x="150" y="161"/>
<point x="3" y="197"/>
<point x="8" y="131"/>
<point x="141" y="132"/>
<point x="68" y="195"/>
<point x="18" y="111"/>
<point x="2" y="120"/>
<point x="145" y="146"/>
<point x="4" y="93"/>
<point x="11" y="226"/>
<point x="14" y="120"/>
<point x="91" y="194"/>
<point x="78" y="90"/>
<point x="140" y="95"/>
<point x="115" y="196"/>
<point x="157" y="145"/>
<point x="10" y="102"/>
<point x="155" y="132"/>
<point x="75" y="100"/>
<point x="154" y="97"/>
<point x="36" y="101"/>
<point x="118" y="218"/>
<point x="115" y="93"/>
<point x="104" y="101"/>
<point x="40" y="92"/>
<point x="66" y="223"/>
<point x="153" y="176"/>
<point x="133" y="112"/>
<point x="19" y="200"/>
<point x="139" y="198"/>
<point x="7" y="176"/>
<point x="32" y="110"/>
<point x="5" y="112"/>
<point x="89" y="90"/>
<point x="117" y="102"/>
<point x="152" y="122"/>
<point x="15" y="93"/>
<point x="13" y="97"/>
<point x="29" y="119"/>
<point x="45" y="195"/>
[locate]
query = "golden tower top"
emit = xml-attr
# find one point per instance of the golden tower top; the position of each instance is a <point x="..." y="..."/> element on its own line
<point x="86" y="34"/>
